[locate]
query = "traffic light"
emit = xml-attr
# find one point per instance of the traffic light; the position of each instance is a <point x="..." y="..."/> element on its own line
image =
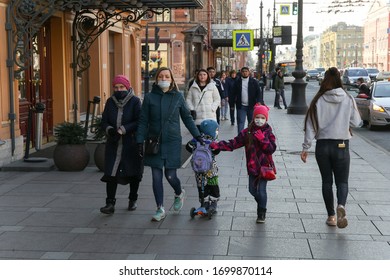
<point x="295" y="8"/>
<point x="156" y="38"/>
<point x="144" y="52"/>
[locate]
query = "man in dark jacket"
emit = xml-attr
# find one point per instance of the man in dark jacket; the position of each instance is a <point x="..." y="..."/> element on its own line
<point x="229" y="83"/>
<point x="246" y="93"/>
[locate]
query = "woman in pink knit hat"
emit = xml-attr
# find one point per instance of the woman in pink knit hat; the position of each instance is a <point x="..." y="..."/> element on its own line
<point x="122" y="164"/>
<point x="259" y="143"/>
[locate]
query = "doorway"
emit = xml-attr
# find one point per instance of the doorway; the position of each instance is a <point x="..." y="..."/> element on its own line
<point x="35" y="86"/>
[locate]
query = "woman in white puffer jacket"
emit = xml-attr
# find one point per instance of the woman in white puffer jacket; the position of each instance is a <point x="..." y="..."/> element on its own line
<point x="203" y="98"/>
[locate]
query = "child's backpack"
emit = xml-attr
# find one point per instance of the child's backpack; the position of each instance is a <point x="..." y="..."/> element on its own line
<point x="202" y="159"/>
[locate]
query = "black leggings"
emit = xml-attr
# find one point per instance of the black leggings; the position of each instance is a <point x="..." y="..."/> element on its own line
<point x="333" y="159"/>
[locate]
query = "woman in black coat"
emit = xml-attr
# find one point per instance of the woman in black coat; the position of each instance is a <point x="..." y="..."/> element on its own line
<point x="123" y="164"/>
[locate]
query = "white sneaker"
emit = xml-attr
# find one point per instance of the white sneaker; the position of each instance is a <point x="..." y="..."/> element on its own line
<point x="179" y="201"/>
<point x="342" y="221"/>
<point x="160" y="214"/>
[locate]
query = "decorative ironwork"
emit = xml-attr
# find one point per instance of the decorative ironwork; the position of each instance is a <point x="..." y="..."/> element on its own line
<point x="90" y="24"/>
<point x="92" y="18"/>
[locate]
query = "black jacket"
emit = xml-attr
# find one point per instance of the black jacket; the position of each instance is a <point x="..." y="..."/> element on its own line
<point x="254" y="93"/>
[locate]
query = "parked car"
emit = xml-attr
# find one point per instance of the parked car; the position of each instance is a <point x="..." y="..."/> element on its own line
<point x="350" y="75"/>
<point x="383" y="76"/>
<point x="375" y="109"/>
<point x="320" y="69"/>
<point x="312" y="74"/>
<point x="372" y="72"/>
<point x="320" y="77"/>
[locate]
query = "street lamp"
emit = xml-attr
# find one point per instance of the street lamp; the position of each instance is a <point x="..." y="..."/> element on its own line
<point x="298" y="96"/>
<point x="260" y="68"/>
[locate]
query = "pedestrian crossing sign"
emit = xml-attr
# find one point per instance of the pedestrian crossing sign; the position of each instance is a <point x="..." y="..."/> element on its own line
<point x="242" y="40"/>
<point x="284" y="10"/>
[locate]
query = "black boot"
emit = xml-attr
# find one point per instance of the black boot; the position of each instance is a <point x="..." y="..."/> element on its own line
<point x="261" y="215"/>
<point x="132" y="205"/>
<point x="110" y="206"/>
<point x="213" y="206"/>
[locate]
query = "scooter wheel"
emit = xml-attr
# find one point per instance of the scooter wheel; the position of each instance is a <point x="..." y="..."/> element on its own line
<point x="192" y="213"/>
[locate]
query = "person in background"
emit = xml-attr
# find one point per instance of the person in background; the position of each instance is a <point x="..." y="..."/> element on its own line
<point x="362" y="86"/>
<point x="246" y="93"/>
<point x="224" y="98"/>
<point x="161" y="112"/>
<point x="203" y="98"/>
<point x="122" y="163"/>
<point x="279" y="90"/>
<point x="331" y="114"/>
<point x="260" y="143"/>
<point x="229" y="82"/>
<point x="220" y="88"/>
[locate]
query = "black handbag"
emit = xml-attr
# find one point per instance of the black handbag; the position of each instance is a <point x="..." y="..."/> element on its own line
<point x="152" y="145"/>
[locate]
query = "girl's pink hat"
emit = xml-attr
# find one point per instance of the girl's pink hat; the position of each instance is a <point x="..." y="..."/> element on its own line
<point x="260" y="109"/>
<point x="121" y="79"/>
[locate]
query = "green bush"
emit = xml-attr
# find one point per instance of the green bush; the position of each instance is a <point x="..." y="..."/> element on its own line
<point x="69" y="133"/>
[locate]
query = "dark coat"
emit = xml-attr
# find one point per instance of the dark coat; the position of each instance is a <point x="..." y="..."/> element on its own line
<point x="157" y="108"/>
<point x="254" y="93"/>
<point x="229" y="83"/>
<point x="122" y="159"/>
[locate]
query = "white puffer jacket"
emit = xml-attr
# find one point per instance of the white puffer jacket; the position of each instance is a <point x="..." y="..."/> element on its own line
<point x="207" y="107"/>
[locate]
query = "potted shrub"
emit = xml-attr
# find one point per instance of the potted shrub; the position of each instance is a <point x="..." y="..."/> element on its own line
<point x="70" y="154"/>
<point x="99" y="135"/>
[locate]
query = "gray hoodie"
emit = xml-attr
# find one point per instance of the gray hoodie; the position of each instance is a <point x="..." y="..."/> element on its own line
<point x="337" y="112"/>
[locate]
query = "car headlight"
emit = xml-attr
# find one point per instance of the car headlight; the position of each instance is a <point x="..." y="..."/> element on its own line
<point x="378" y="108"/>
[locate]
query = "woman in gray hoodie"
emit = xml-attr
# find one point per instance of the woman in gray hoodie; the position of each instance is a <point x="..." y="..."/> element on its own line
<point x="328" y="120"/>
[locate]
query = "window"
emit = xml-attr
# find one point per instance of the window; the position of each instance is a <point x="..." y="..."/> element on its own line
<point x="164" y="17"/>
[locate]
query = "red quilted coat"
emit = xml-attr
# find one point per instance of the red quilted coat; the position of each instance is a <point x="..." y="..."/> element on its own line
<point x="258" y="152"/>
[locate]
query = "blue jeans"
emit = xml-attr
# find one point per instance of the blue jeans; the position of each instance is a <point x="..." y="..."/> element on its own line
<point x="259" y="191"/>
<point x="333" y="159"/>
<point x="242" y="114"/>
<point x="158" y="188"/>
<point x="224" y="108"/>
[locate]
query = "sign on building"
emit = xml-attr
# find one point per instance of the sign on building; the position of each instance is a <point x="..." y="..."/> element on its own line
<point x="282" y="35"/>
<point x="242" y="40"/>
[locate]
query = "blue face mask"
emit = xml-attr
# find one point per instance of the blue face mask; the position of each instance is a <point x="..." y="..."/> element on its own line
<point x="164" y="85"/>
<point x="120" y="94"/>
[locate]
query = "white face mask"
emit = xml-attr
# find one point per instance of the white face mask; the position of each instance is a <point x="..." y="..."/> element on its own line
<point x="260" y="121"/>
<point x="164" y="84"/>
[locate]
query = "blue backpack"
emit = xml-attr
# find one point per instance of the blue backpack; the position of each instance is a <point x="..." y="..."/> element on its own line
<point x="202" y="159"/>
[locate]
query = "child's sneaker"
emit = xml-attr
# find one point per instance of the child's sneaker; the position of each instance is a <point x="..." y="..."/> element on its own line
<point x="213" y="206"/>
<point x="179" y="200"/>
<point x="160" y="214"/>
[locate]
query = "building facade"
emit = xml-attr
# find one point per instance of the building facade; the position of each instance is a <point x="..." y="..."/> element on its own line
<point x="62" y="57"/>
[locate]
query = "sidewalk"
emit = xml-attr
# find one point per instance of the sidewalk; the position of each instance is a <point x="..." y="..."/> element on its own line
<point x="55" y="215"/>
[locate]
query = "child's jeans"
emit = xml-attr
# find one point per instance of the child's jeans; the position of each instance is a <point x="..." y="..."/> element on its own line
<point x="259" y="191"/>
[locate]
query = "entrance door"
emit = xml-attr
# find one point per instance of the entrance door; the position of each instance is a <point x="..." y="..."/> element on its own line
<point x="35" y="86"/>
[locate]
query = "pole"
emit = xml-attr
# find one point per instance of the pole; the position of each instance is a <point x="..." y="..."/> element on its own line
<point x="146" y="77"/>
<point x="261" y="51"/>
<point x="273" y="47"/>
<point x="298" y="95"/>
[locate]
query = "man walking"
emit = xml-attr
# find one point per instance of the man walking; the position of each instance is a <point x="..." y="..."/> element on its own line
<point x="246" y="93"/>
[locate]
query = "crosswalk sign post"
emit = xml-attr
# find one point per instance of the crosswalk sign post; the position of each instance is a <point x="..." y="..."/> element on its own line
<point x="242" y="40"/>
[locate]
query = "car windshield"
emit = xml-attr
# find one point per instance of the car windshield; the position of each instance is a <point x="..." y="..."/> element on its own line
<point x="382" y="90"/>
<point x="372" y="71"/>
<point x="358" y="72"/>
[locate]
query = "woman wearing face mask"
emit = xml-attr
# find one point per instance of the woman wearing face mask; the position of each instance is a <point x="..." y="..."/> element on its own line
<point x="259" y="142"/>
<point x="123" y="165"/>
<point x="161" y="111"/>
